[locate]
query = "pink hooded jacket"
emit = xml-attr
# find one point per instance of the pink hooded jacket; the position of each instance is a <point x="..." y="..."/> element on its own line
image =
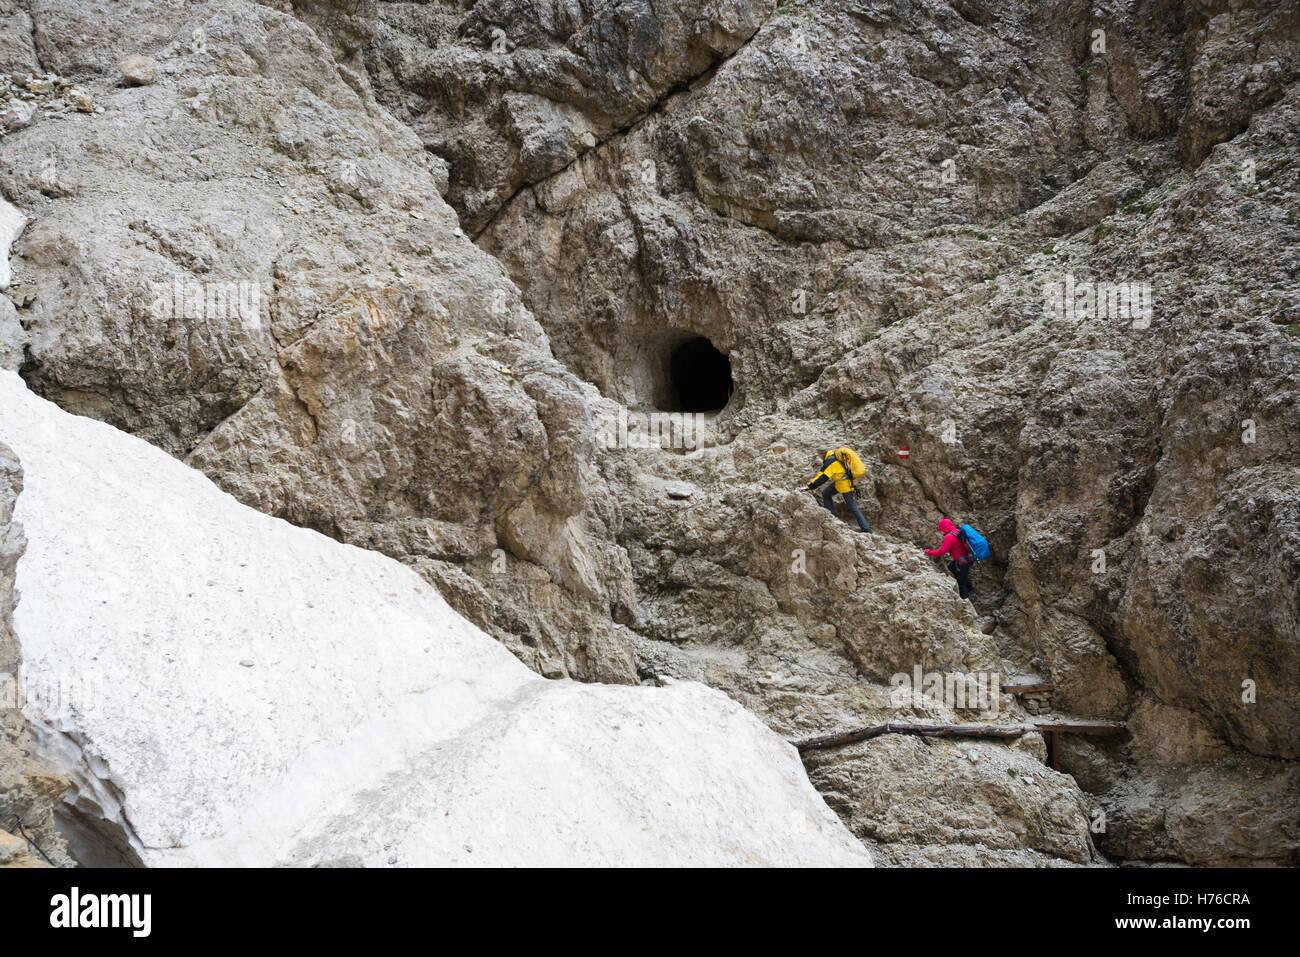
<point x="951" y="544"/>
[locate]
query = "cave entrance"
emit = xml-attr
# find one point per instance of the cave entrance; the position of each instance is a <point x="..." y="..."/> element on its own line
<point x="699" y="377"/>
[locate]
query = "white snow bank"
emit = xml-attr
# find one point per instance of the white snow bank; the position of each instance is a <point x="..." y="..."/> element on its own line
<point x="11" y="224"/>
<point x="230" y="689"/>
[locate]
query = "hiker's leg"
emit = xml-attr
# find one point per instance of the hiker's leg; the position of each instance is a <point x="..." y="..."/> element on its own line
<point x="852" y="499"/>
<point x="827" y="500"/>
<point x="962" y="573"/>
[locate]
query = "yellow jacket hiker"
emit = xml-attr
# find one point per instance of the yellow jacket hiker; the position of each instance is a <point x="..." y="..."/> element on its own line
<point x="841" y="467"/>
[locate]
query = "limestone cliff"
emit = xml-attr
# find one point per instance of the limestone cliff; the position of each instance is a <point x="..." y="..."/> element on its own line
<point x="1048" y="249"/>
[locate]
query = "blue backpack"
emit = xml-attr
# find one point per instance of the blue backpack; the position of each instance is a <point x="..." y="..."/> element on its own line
<point x="977" y="543"/>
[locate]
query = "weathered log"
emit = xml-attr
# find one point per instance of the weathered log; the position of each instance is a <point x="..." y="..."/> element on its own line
<point x="922" y="730"/>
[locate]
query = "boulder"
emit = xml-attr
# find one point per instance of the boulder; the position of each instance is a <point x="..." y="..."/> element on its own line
<point x="137" y="70"/>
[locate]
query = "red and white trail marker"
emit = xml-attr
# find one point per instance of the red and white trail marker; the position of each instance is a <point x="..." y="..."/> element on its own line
<point x="903" y="452"/>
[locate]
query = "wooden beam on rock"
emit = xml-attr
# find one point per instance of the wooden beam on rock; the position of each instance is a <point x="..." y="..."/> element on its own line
<point x="926" y="731"/>
<point x="920" y="730"/>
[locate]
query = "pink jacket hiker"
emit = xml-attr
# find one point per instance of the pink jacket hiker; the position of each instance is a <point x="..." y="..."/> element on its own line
<point x="952" y="544"/>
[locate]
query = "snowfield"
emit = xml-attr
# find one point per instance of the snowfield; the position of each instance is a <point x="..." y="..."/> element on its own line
<point x="226" y="688"/>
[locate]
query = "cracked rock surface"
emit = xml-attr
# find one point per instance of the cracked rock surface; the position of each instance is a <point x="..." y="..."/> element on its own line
<point x="478" y="233"/>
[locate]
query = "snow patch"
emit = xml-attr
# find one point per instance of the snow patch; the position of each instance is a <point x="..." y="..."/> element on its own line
<point x="11" y="224"/>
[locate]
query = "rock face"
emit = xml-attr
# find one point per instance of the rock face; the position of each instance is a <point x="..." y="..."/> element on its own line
<point x="15" y="852"/>
<point x="266" y="282"/>
<point x="764" y="594"/>
<point x="1049" y="250"/>
<point x="511" y="92"/>
<point x="293" y="700"/>
<point x="876" y="213"/>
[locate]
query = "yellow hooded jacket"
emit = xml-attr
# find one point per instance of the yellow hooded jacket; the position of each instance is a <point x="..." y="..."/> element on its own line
<point x="833" y="471"/>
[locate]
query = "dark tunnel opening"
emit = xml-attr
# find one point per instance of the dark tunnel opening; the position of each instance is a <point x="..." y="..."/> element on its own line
<point x="699" y="377"/>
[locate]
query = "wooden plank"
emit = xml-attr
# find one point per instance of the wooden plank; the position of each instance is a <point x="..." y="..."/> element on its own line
<point x="924" y="731"/>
